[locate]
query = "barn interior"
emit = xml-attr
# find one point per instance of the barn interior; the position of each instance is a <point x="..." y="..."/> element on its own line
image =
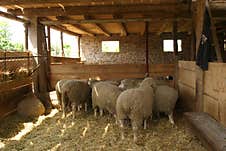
<point x="141" y="30"/>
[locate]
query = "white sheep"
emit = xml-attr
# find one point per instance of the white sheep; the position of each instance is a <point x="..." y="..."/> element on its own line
<point x="165" y="100"/>
<point x="130" y="83"/>
<point x="136" y="104"/>
<point x="104" y="96"/>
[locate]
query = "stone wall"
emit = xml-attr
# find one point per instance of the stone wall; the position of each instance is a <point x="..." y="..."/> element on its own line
<point x="132" y="50"/>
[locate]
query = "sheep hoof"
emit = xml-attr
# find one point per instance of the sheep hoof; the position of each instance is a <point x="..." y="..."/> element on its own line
<point x="135" y="139"/>
<point x="123" y="137"/>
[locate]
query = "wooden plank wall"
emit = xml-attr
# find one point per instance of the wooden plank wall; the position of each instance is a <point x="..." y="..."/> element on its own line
<point x="186" y="84"/>
<point x="107" y="72"/>
<point x="63" y="60"/>
<point x="11" y="92"/>
<point x="214" y="96"/>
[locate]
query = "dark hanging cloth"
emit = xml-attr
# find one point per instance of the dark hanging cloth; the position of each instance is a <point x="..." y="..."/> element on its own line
<point x="206" y="52"/>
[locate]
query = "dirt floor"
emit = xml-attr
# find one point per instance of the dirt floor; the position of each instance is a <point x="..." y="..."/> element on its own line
<point x="89" y="133"/>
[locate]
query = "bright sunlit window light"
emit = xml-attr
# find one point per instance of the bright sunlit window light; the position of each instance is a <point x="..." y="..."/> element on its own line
<point x="168" y="45"/>
<point x="110" y="46"/>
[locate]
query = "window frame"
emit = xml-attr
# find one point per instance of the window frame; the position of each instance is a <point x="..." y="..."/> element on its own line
<point x="110" y="51"/>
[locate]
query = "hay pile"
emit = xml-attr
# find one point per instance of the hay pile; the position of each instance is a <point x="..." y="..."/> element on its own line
<point x="87" y="133"/>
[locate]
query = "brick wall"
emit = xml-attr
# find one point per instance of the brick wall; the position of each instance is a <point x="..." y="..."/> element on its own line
<point x="132" y="50"/>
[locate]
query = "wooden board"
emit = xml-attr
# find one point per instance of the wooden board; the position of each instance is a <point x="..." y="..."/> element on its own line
<point x="9" y="99"/>
<point x="211" y="133"/>
<point x="109" y="71"/>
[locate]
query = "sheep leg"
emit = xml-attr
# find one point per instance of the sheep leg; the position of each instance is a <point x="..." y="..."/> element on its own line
<point x="63" y="105"/>
<point x="73" y="110"/>
<point x="101" y="112"/>
<point x="171" y="118"/>
<point x="78" y="107"/>
<point x="145" y="124"/>
<point x="116" y="120"/>
<point x="95" y="112"/>
<point x="135" y="129"/>
<point x="121" y="124"/>
<point x="86" y="107"/>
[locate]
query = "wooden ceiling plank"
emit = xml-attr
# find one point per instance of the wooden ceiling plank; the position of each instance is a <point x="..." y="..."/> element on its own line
<point x="71" y="2"/>
<point x="79" y="27"/>
<point x="124" y="20"/>
<point x="13" y="17"/>
<point x="98" y="26"/>
<point x="102" y="9"/>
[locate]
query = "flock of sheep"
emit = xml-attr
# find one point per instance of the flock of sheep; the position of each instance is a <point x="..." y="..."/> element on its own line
<point x="133" y="99"/>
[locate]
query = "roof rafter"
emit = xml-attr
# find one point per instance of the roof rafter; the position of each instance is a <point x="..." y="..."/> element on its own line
<point x="79" y="27"/>
<point x="99" y="26"/>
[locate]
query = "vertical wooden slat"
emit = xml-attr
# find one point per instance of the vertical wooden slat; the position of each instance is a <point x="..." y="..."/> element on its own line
<point x="147" y="48"/>
<point x="175" y="44"/>
<point x="62" y="43"/>
<point x="49" y="44"/>
<point x="26" y="36"/>
<point x="214" y="34"/>
<point x="79" y="46"/>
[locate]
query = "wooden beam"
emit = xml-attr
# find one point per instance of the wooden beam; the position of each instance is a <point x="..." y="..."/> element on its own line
<point x="79" y="46"/>
<point x="79" y="27"/>
<point x="121" y="25"/>
<point x="13" y="17"/>
<point x="174" y="33"/>
<point x="98" y="26"/>
<point x="63" y="29"/>
<point x="62" y="43"/>
<point x="49" y="44"/>
<point x="124" y="20"/>
<point x="214" y="34"/>
<point x="147" y="48"/>
<point x="26" y="36"/>
<point x="71" y="2"/>
<point x="160" y="9"/>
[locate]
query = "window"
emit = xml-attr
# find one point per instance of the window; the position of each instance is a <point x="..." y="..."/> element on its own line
<point x="110" y="46"/>
<point x="168" y="45"/>
<point x="70" y="44"/>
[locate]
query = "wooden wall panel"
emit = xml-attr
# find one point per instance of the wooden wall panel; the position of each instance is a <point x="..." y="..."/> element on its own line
<point x="214" y="96"/>
<point x="105" y="72"/>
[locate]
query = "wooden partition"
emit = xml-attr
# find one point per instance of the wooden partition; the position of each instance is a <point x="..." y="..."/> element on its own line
<point x="214" y="96"/>
<point x="11" y="93"/>
<point x="107" y="72"/>
<point x="63" y="60"/>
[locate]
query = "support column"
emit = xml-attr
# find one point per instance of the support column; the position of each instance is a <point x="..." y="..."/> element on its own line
<point x="49" y="45"/>
<point x="79" y="46"/>
<point x="37" y="44"/>
<point x="62" y="43"/>
<point x="175" y="47"/>
<point x="147" y="48"/>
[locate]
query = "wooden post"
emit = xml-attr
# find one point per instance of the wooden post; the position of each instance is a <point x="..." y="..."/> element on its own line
<point x="26" y="36"/>
<point x="147" y="48"/>
<point x="62" y="43"/>
<point x="49" y="44"/>
<point x="37" y="44"/>
<point x="174" y="34"/>
<point x="26" y="46"/>
<point x="199" y="81"/>
<point x="79" y="46"/>
<point x="214" y="34"/>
